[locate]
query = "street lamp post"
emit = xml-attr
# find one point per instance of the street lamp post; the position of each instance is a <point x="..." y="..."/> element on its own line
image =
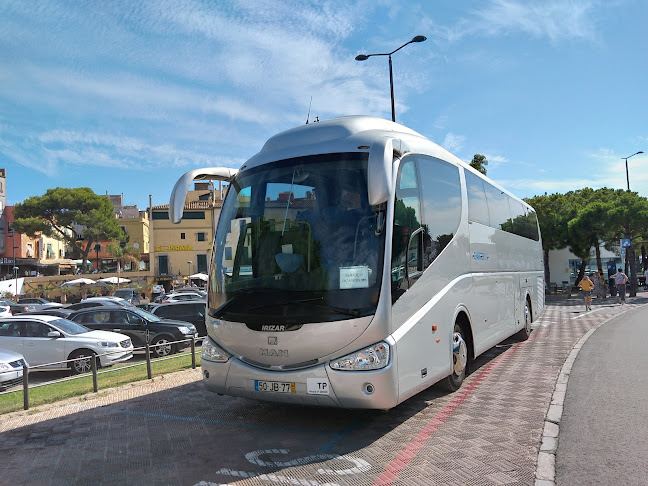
<point x="15" y="269"/>
<point x="364" y="57"/>
<point x="629" y="250"/>
<point x="626" y="162"/>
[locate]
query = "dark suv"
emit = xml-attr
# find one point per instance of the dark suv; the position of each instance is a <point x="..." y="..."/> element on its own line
<point x="131" y="295"/>
<point x="138" y="325"/>
<point x="191" y="311"/>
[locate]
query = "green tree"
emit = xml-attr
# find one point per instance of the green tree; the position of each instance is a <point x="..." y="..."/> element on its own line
<point x="77" y="216"/>
<point x="553" y="213"/>
<point x="628" y="218"/>
<point x="479" y="163"/>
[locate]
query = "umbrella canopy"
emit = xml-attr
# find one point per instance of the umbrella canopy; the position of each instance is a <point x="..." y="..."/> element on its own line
<point x="77" y="282"/>
<point x="114" y="280"/>
<point x="200" y="276"/>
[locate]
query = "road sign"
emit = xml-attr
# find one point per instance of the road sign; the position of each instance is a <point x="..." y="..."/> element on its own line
<point x="626" y="243"/>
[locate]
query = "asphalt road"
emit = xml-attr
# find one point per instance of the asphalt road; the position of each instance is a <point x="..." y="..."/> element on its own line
<point x="604" y="427"/>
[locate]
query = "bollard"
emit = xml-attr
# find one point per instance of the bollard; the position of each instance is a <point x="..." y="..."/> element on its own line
<point x="25" y="386"/>
<point x="193" y="352"/>
<point x="93" y="364"/>
<point x="148" y="361"/>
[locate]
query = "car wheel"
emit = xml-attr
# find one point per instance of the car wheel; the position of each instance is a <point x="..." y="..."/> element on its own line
<point x="459" y="361"/>
<point x="524" y="333"/>
<point x="82" y="361"/>
<point x="162" y="347"/>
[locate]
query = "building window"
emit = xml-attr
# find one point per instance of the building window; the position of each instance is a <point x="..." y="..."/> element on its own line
<point x="163" y="265"/>
<point x="182" y="236"/>
<point x="201" y="263"/>
<point x="201" y="236"/>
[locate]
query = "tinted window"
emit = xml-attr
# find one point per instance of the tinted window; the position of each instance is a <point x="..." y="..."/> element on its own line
<point x="68" y="326"/>
<point x="441" y="198"/>
<point x="167" y="311"/>
<point x="407" y="219"/>
<point x="100" y="317"/>
<point x="477" y="206"/>
<point x="498" y="206"/>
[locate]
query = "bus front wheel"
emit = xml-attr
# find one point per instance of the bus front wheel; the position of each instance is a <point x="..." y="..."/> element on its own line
<point x="459" y="360"/>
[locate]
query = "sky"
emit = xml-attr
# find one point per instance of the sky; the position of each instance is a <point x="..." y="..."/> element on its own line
<point x="125" y="96"/>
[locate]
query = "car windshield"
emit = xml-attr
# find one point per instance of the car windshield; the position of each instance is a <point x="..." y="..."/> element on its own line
<point x="69" y="327"/>
<point x="297" y="239"/>
<point x="122" y="293"/>
<point x="145" y="314"/>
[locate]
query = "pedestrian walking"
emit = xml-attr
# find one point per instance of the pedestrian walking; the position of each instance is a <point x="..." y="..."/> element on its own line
<point x="600" y="287"/>
<point x="586" y="285"/>
<point x="620" y="280"/>
<point x="646" y="279"/>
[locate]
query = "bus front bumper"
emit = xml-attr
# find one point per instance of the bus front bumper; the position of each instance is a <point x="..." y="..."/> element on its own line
<point x="318" y="385"/>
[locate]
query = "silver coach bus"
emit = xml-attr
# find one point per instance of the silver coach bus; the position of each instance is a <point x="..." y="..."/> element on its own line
<point x="357" y="263"/>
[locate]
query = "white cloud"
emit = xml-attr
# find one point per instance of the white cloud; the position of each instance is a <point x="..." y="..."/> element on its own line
<point x="554" y="19"/>
<point x="495" y="161"/>
<point x="453" y="143"/>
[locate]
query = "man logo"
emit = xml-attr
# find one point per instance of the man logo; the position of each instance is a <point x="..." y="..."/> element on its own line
<point x="276" y="353"/>
<point x="272" y="340"/>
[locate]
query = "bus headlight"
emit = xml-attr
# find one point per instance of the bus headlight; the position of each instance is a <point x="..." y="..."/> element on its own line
<point x="371" y="358"/>
<point x="211" y="352"/>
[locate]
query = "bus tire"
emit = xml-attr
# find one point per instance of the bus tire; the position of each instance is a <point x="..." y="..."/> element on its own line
<point x="459" y="361"/>
<point x="524" y="333"/>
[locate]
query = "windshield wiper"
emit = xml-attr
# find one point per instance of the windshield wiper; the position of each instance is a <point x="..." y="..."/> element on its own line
<point x="237" y="296"/>
<point x="339" y="310"/>
<point x="296" y="301"/>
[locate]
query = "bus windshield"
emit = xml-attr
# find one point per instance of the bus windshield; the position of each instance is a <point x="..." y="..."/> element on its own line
<point x="297" y="243"/>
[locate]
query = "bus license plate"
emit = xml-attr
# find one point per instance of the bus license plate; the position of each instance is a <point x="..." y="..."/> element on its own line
<point x="274" y="386"/>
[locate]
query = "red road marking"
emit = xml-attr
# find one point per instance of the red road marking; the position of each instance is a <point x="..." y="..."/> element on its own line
<point x="394" y="468"/>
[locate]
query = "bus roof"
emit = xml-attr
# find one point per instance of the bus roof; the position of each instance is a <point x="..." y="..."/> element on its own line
<point x="345" y="134"/>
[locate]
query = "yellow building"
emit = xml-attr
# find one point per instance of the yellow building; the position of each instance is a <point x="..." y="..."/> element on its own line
<point x="180" y="250"/>
<point x="137" y="229"/>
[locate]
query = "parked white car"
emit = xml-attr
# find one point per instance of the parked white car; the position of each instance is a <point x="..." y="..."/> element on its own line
<point x="11" y="369"/>
<point x="182" y="297"/>
<point x="45" y="339"/>
<point x="5" y="311"/>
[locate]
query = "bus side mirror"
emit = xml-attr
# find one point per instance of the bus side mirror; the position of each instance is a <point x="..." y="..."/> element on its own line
<point x="179" y="193"/>
<point x="379" y="170"/>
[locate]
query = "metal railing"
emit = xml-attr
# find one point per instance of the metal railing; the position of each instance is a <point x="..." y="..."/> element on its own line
<point x="95" y="368"/>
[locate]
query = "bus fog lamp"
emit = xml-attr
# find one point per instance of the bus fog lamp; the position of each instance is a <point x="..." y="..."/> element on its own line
<point x="211" y="352"/>
<point x="372" y="358"/>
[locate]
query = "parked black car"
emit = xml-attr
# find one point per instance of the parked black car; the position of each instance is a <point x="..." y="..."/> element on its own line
<point x="191" y="311"/>
<point x="137" y="324"/>
<point x="130" y="294"/>
<point x="63" y="312"/>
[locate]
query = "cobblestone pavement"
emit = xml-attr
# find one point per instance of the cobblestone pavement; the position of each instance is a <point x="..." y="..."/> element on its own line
<point x="170" y="431"/>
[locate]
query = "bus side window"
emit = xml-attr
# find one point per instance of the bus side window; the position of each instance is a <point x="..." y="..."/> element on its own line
<point x="407" y="219"/>
<point x="441" y="201"/>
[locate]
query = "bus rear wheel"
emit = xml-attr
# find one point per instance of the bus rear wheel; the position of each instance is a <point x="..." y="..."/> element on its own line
<point x="459" y="360"/>
<point x="524" y="333"/>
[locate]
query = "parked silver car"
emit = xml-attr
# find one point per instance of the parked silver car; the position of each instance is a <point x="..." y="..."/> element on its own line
<point x="11" y="368"/>
<point x="45" y="339"/>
